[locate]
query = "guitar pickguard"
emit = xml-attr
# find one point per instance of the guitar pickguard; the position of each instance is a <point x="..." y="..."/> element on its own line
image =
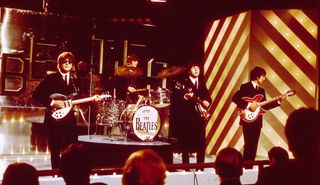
<point x="61" y="113"/>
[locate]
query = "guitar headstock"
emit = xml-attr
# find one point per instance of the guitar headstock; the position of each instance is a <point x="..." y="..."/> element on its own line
<point x="102" y="97"/>
<point x="290" y="92"/>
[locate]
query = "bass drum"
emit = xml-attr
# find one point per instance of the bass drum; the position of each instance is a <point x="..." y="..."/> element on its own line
<point x="144" y="123"/>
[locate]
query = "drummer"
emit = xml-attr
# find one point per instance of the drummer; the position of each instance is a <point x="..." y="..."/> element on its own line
<point x="124" y="83"/>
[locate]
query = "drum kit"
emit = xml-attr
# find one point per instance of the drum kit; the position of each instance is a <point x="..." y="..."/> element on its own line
<point x="141" y="120"/>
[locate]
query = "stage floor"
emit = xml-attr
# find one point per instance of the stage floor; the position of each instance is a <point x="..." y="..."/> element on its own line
<point x="41" y="159"/>
<point x="22" y="141"/>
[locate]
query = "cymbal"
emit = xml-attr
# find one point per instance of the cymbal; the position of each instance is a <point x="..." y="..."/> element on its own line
<point x="128" y="72"/>
<point x="171" y="72"/>
<point x="148" y="79"/>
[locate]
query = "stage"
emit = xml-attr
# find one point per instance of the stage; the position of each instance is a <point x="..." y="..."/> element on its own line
<point x="105" y="150"/>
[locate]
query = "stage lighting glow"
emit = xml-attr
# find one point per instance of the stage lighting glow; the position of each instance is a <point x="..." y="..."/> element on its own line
<point x="4" y="31"/>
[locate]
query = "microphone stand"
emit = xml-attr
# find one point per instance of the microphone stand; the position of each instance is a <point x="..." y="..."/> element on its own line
<point x="91" y="79"/>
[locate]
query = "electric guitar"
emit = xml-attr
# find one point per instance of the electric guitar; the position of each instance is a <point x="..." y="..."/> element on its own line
<point x="199" y="106"/>
<point x="249" y="116"/>
<point x="60" y="113"/>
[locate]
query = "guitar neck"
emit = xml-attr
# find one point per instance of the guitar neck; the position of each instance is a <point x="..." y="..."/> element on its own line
<point x="271" y="101"/>
<point x="83" y="100"/>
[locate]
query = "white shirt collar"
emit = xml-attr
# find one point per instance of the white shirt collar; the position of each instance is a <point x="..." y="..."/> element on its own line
<point x="193" y="80"/>
<point x="65" y="74"/>
<point x="255" y="85"/>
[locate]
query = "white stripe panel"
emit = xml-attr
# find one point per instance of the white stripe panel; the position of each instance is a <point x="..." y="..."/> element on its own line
<point x="221" y="104"/>
<point x="291" y="37"/>
<point x="227" y="93"/>
<point x="229" y="65"/>
<point x="272" y="134"/>
<point x="217" y="43"/>
<point x="227" y="46"/>
<point x="284" y="60"/>
<point x="305" y="21"/>
<point x="210" y="34"/>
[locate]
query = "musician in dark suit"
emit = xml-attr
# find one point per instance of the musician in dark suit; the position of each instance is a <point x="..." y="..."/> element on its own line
<point x="124" y="85"/>
<point x="187" y="122"/>
<point x="61" y="132"/>
<point x="251" y="130"/>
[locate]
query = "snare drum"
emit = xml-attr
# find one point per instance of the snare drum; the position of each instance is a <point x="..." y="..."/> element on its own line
<point x="144" y="122"/>
<point x="160" y="97"/>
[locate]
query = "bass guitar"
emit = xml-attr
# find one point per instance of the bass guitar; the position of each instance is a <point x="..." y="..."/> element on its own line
<point x="60" y="113"/>
<point x="199" y="106"/>
<point x="249" y="116"/>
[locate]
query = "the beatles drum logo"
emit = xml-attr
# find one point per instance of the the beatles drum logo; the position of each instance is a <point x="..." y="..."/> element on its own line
<point x="146" y="123"/>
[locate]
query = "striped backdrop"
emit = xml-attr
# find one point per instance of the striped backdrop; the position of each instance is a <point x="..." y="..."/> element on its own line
<point x="285" y="44"/>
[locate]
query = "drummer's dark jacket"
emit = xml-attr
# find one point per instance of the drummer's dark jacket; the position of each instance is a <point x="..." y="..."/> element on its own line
<point x="120" y="85"/>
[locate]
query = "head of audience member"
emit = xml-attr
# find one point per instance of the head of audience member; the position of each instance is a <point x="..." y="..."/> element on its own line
<point x="132" y="60"/>
<point x="277" y="156"/>
<point x="144" y="167"/>
<point x="229" y="164"/>
<point x="75" y="165"/>
<point x="302" y="132"/>
<point x="20" y="173"/>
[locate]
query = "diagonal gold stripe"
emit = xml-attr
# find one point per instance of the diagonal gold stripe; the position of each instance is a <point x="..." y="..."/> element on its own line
<point x="290" y="36"/>
<point x="273" y="135"/>
<point x="222" y="124"/>
<point x="231" y="84"/>
<point x="216" y="44"/>
<point x="210" y="34"/>
<point x="230" y="63"/>
<point x="220" y="105"/>
<point x="262" y="151"/>
<point x="231" y="133"/>
<point x="280" y="85"/>
<point x="240" y="142"/>
<point x="284" y="60"/>
<point x="305" y="21"/>
<point x="227" y="45"/>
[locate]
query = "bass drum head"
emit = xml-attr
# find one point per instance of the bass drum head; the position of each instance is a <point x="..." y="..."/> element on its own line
<point x="146" y="123"/>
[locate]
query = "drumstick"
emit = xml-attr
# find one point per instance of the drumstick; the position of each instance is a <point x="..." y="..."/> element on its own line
<point x="138" y="102"/>
<point x="143" y="89"/>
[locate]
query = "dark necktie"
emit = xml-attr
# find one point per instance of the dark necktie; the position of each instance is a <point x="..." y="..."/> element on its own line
<point x="196" y="84"/>
<point x="65" y="78"/>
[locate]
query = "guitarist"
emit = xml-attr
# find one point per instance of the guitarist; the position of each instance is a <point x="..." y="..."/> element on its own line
<point x="187" y="124"/>
<point x="62" y="132"/>
<point x="251" y="130"/>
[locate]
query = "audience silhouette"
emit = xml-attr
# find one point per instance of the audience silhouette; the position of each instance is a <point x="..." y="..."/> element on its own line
<point x="144" y="167"/>
<point x="20" y="174"/>
<point x="302" y="131"/>
<point x="272" y="174"/>
<point x="76" y="166"/>
<point x="303" y="134"/>
<point x="277" y="156"/>
<point x="229" y="166"/>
